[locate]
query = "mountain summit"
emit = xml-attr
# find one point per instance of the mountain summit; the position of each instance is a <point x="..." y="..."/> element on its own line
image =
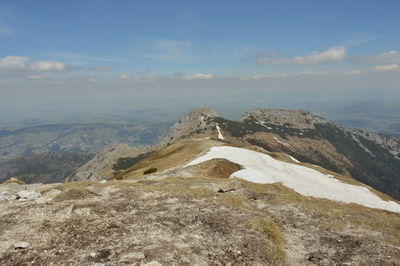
<point x="197" y="120"/>
<point x="277" y="187"/>
<point x="293" y="118"/>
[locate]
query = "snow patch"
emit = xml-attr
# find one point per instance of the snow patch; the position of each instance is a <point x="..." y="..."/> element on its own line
<point x="293" y="159"/>
<point x="262" y="123"/>
<point x="220" y="136"/>
<point x="263" y="169"/>
<point x="283" y="143"/>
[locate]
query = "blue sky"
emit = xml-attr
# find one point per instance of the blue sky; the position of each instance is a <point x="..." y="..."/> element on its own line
<point x="77" y="47"/>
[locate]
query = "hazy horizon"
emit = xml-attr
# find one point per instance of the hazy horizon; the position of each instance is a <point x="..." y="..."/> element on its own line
<point x="95" y="60"/>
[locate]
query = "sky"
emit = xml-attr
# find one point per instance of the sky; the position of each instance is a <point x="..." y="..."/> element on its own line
<point x="97" y="54"/>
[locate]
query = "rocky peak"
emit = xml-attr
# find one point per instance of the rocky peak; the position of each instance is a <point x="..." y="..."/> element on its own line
<point x="295" y="118"/>
<point x="200" y="113"/>
<point x="195" y="120"/>
<point x="390" y="143"/>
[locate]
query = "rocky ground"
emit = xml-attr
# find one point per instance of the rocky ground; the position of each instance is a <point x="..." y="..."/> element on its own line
<point x="192" y="221"/>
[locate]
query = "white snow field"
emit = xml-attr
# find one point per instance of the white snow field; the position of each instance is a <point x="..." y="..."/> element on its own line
<point x="263" y="169"/>
<point x="220" y="136"/>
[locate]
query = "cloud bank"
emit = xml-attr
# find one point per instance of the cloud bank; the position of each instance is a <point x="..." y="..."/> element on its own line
<point x="333" y="54"/>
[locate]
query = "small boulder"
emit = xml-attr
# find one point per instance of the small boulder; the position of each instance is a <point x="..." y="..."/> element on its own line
<point x="7" y="196"/>
<point x="49" y="196"/>
<point x="153" y="263"/>
<point x="28" y="194"/>
<point x="21" y="245"/>
<point x="135" y="255"/>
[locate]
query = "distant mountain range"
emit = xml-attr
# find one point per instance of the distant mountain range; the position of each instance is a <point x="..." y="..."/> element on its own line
<point x="76" y="138"/>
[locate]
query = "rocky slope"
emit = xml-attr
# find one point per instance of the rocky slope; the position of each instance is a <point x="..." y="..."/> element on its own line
<point x="194" y="122"/>
<point x="366" y="156"/>
<point x="100" y="166"/>
<point x="190" y="212"/>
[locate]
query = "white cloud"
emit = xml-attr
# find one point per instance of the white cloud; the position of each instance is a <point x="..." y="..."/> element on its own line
<point x="125" y="76"/>
<point x="49" y="66"/>
<point x="83" y="58"/>
<point x="390" y="57"/>
<point x="92" y="80"/>
<point x="356" y="42"/>
<point x="279" y="76"/>
<point x="13" y="63"/>
<point x="333" y="54"/>
<point x="102" y="68"/>
<point x="353" y="72"/>
<point x="386" y="68"/>
<point x="199" y="76"/>
<point x="304" y="73"/>
<point x="173" y="51"/>
<point x="37" y="76"/>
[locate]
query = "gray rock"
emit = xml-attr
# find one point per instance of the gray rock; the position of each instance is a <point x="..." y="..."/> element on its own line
<point x="153" y="263"/>
<point x="192" y="122"/>
<point x="21" y="245"/>
<point x="28" y="194"/>
<point x="93" y="255"/>
<point x="49" y="196"/>
<point x="7" y="196"/>
<point x="135" y="255"/>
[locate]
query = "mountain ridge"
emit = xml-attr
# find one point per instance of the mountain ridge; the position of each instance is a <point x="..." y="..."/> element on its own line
<point x="369" y="157"/>
<point x="211" y="196"/>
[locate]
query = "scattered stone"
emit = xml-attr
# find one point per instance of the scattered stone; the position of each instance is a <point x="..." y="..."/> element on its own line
<point x="28" y="194"/>
<point x="83" y="211"/>
<point x="231" y="186"/>
<point x="314" y="258"/>
<point x="101" y="255"/>
<point x="21" y="245"/>
<point x="6" y="196"/>
<point x="49" y="196"/>
<point x="224" y="191"/>
<point x="135" y="255"/>
<point x="153" y="263"/>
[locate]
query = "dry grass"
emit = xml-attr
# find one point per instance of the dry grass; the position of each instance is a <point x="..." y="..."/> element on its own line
<point x="177" y="153"/>
<point x="176" y="187"/>
<point x="340" y="216"/>
<point x="234" y="200"/>
<point x="274" y="233"/>
<point x="334" y="215"/>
